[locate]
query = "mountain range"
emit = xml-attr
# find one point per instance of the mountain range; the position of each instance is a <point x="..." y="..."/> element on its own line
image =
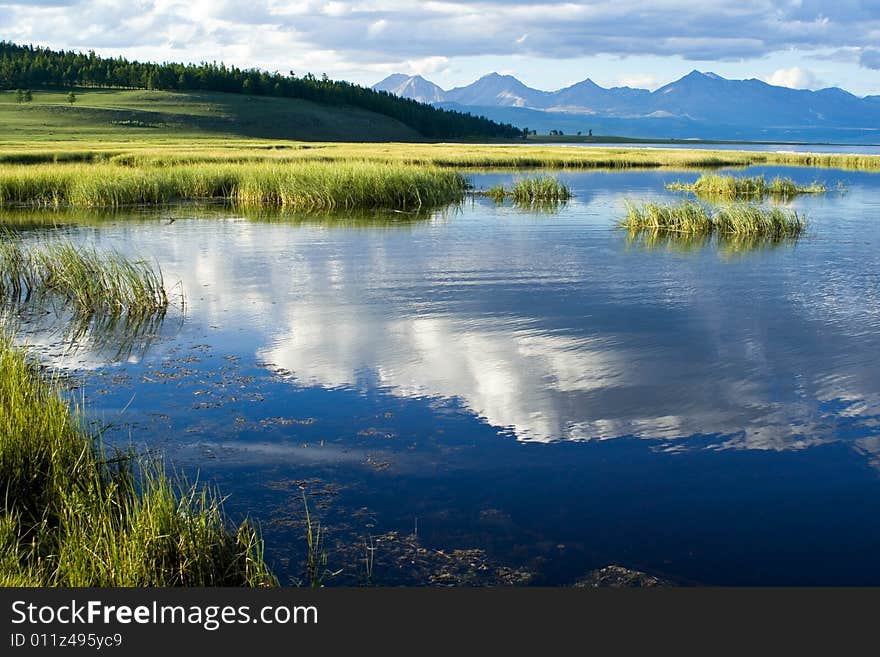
<point x="699" y="105"/>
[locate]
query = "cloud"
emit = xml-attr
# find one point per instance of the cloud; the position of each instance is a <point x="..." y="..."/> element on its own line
<point x="278" y="34"/>
<point x="427" y="65"/>
<point x="870" y="58"/>
<point x="794" y="78"/>
<point x="639" y="81"/>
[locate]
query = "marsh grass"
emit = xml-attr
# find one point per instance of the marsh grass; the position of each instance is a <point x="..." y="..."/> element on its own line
<point x="89" y="280"/>
<point x="300" y="186"/>
<point x="175" y="151"/>
<point x="530" y="190"/>
<point x="714" y="186"/>
<point x="317" y="571"/>
<point x="537" y="189"/>
<point x="72" y="515"/>
<point x="732" y="219"/>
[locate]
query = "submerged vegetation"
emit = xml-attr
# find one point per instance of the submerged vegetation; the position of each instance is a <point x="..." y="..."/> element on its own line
<point x="89" y="280"/>
<point x="734" y="219"/>
<point x="71" y="516"/>
<point x="304" y="186"/>
<point x="714" y="186"/>
<point x="727" y="244"/>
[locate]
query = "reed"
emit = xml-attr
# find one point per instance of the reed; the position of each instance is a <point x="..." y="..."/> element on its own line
<point x="733" y="219"/>
<point x="686" y="217"/>
<point x="714" y="186"/>
<point x="300" y="186"/>
<point x="530" y="190"/>
<point x="89" y="280"/>
<point x="72" y="516"/>
<point x="748" y="219"/>
<point x="537" y="189"/>
<point x="173" y="152"/>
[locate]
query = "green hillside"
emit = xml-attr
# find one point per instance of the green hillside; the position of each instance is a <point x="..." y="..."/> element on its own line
<point x="35" y="68"/>
<point x="154" y="115"/>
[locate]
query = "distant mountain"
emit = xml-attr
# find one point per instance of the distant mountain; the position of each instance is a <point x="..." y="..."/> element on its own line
<point x="703" y="105"/>
<point x="415" y="88"/>
<point x="589" y="96"/>
<point x="500" y="90"/>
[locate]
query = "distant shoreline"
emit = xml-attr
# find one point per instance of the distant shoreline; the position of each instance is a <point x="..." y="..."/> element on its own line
<point x="614" y="139"/>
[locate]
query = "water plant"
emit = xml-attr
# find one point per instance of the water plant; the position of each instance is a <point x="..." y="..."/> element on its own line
<point x="299" y="186"/>
<point x="737" y="218"/>
<point x="91" y="281"/>
<point x="726" y="187"/>
<point x="74" y="515"/>
<point x="317" y="559"/>
<point x="530" y="190"/>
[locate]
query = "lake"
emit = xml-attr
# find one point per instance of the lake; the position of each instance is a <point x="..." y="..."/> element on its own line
<point x="488" y="394"/>
<point x="855" y="149"/>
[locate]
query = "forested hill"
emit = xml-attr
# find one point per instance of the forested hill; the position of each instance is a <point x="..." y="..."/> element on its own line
<point x="30" y="67"/>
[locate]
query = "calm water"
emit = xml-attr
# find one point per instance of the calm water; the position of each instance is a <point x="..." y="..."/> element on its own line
<point x="859" y="149"/>
<point x="491" y="394"/>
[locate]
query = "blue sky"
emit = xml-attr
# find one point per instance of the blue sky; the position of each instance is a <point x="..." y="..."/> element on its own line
<point x="798" y="43"/>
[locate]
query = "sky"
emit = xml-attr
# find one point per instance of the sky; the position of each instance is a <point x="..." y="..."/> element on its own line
<point x="796" y="43"/>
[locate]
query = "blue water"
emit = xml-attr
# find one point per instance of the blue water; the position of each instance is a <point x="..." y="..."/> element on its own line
<point x="857" y="149"/>
<point x="531" y="388"/>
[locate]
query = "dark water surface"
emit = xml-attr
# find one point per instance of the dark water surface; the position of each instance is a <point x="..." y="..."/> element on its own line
<point x="491" y="394"/>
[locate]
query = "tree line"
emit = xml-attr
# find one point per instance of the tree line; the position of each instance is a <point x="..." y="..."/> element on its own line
<point x="29" y="66"/>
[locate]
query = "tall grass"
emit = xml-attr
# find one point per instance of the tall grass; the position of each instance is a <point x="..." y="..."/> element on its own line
<point x="530" y="190"/>
<point x="714" y="186"/>
<point x="89" y="280"/>
<point x="542" y="188"/>
<point x="300" y="186"/>
<point x="739" y="219"/>
<point x="174" y="152"/>
<point x="71" y="516"/>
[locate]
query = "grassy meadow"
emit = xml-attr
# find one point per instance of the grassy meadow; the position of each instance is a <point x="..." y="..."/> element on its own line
<point x="145" y="116"/>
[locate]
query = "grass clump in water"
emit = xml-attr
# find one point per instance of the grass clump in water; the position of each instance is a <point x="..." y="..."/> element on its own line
<point x="89" y="280"/>
<point x="70" y="516"/>
<point x="738" y="219"/>
<point x="532" y="190"/>
<point x="747" y="219"/>
<point x="685" y="217"/>
<point x="714" y="186"/>
<point x="543" y="188"/>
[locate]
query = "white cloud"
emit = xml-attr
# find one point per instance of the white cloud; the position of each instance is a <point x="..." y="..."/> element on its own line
<point x="378" y="27"/>
<point x="639" y="81"/>
<point x="427" y="65"/>
<point x="370" y="35"/>
<point x="794" y="78"/>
